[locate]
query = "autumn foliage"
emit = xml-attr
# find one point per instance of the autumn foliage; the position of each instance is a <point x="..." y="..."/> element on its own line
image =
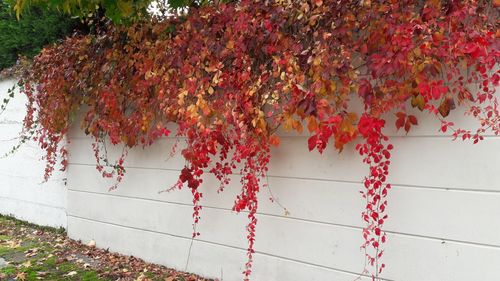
<point x="230" y="76"/>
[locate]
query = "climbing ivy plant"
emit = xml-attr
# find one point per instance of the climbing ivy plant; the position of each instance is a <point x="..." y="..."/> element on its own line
<point x="233" y="75"/>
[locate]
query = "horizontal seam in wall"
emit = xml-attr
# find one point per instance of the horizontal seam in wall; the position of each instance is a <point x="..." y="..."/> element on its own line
<point x="307" y="136"/>
<point x="224" y="245"/>
<point x="34" y="203"/>
<point x="436" y="136"/>
<point x="10" y="175"/>
<point x="394" y="185"/>
<point x="467" y="243"/>
<point x="127" y="167"/>
<point x="91" y="139"/>
<point x="319" y="179"/>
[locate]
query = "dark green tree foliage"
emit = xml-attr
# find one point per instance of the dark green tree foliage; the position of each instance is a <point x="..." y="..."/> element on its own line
<point x="28" y="35"/>
<point x="119" y="11"/>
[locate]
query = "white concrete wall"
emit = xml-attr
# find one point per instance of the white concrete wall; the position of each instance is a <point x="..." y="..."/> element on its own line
<point x="22" y="193"/>
<point x="443" y="211"/>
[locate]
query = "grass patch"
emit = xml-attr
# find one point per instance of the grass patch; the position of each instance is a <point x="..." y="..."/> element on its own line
<point x="45" y="253"/>
<point x="4" y="237"/>
<point x="30" y="255"/>
<point x="12" y="220"/>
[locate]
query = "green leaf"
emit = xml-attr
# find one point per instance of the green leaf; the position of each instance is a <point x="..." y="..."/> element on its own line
<point x="119" y="11"/>
<point x="176" y="4"/>
<point x="125" y="7"/>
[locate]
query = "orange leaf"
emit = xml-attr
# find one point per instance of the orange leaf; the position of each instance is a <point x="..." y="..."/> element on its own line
<point x="230" y="44"/>
<point x="312" y="124"/>
<point x="274" y="140"/>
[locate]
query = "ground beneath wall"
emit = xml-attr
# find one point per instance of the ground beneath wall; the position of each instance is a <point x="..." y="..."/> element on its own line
<point x="29" y="252"/>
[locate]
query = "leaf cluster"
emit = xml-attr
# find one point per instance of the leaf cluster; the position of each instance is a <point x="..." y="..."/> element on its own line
<point x="231" y="76"/>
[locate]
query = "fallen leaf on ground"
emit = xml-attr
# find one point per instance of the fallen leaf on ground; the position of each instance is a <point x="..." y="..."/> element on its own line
<point x="83" y="256"/>
<point x="27" y="264"/>
<point x="42" y="274"/>
<point x="21" y="276"/>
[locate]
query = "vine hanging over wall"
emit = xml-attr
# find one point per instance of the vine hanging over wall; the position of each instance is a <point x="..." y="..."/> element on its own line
<point x="231" y="75"/>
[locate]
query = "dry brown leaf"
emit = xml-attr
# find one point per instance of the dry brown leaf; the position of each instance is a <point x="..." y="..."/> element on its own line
<point x="21" y="276"/>
<point x="42" y="273"/>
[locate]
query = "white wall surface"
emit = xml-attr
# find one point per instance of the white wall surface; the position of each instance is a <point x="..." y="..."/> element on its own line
<point x="22" y="193"/>
<point x="443" y="211"/>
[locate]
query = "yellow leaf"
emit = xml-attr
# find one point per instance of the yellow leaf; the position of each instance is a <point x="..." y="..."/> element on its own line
<point x="18" y="7"/>
<point x="27" y="264"/>
<point x="288" y="123"/>
<point x="418" y="101"/>
<point x="317" y="61"/>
